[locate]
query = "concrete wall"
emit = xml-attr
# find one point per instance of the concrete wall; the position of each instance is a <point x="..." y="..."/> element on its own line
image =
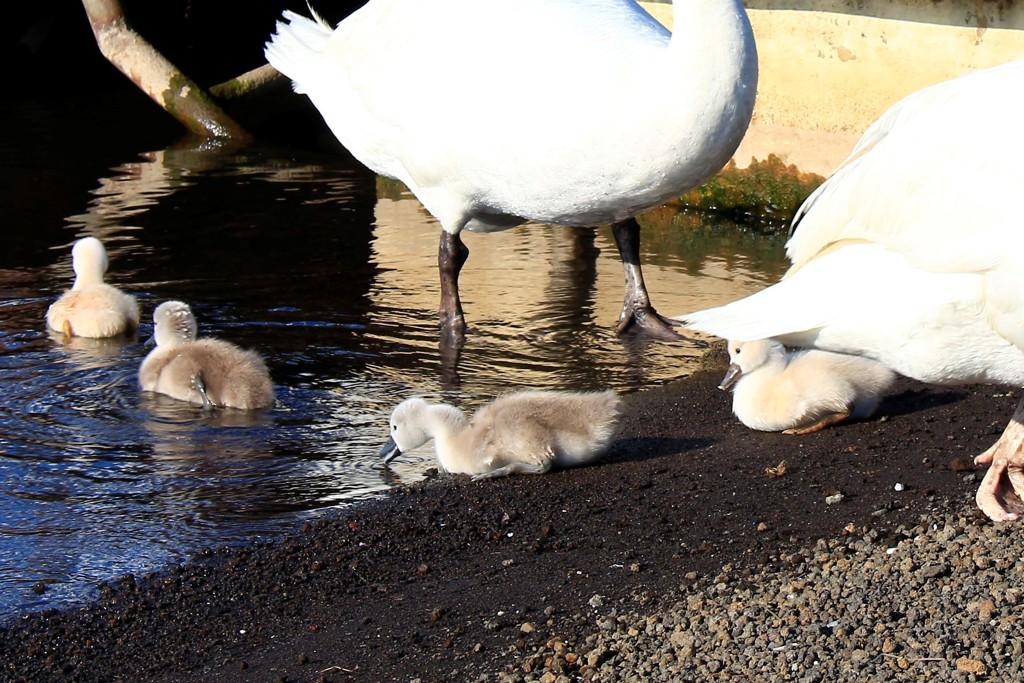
<point x="829" y="68"/>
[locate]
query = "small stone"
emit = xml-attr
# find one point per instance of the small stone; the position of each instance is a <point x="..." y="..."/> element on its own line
<point x="303" y="658"/>
<point x="527" y="627"/>
<point x="933" y="571"/>
<point x="970" y="665"/>
<point x="961" y="465"/>
<point x="834" y="498"/>
<point x="596" y="601"/>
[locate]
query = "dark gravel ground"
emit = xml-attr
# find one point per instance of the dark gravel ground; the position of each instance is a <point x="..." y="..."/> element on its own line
<point x="436" y="581"/>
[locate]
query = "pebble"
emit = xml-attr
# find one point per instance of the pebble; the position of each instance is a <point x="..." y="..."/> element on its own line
<point x="941" y="608"/>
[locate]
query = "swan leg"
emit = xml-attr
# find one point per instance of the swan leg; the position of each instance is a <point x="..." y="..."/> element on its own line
<point x="821" y="423"/>
<point x="451" y="255"/>
<point x="1000" y="493"/>
<point x="200" y="386"/>
<point x="515" y="468"/>
<point x="636" y="307"/>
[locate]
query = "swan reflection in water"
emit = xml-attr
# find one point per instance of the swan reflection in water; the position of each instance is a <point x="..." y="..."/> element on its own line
<point x="105" y="479"/>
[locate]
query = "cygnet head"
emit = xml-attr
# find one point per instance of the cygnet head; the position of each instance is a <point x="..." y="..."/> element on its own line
<point x="89" y="259"/>
<point x="407" y="428"/>
<point x="745" y="357"/>
<point x="174" y="324"/>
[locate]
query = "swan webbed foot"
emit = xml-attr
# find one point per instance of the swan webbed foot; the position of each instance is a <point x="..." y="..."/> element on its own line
<point x="637" y="311"/>
<point x="642" y="317"/>
<point x="1001" y="493"/>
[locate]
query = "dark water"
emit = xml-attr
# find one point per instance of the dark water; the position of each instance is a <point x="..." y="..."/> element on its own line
<point x="326" y="272"/>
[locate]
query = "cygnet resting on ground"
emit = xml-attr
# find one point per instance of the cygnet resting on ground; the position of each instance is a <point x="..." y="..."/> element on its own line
<point x="521" y="433"/>
<point x="912" y="253"/>
<point x="799" y="392"/>
<point x="92" y="308"/>
<point x="211" y="372"/>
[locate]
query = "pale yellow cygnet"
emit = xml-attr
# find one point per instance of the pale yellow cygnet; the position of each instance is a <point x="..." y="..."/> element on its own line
<point x="798" y="392"/>
<point x="92" y="308"/>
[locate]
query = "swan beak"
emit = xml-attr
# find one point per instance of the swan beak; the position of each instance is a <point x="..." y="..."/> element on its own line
<point x="731" y="376"/>
<point x="390" y="451"/>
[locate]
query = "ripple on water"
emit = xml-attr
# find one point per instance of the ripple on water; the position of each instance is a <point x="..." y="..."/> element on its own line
<point x="337" y="288"/>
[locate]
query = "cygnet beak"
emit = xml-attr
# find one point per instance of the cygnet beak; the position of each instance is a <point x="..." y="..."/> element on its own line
<point x="390" y="451"/>
<point x="731" y="376"/>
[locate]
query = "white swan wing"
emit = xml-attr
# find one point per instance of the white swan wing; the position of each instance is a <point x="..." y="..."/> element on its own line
<point x="934" y="178"/>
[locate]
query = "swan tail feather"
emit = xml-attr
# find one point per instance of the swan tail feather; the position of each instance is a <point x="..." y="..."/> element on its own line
<point x="297" y="43"/>
<point x="757" y="317"/>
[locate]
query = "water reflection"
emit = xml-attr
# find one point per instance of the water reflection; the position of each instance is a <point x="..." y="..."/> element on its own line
<point x="334" y="281"/>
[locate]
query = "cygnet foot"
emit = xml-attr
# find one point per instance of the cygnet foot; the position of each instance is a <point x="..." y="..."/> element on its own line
<point x="516" y="468"/>
<point x="200" y="386"/>
<point x="824" y="421"/>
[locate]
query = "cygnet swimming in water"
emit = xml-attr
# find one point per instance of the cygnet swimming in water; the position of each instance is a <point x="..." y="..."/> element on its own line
<point x="210" y="372"/>
<point x="799" y="392"/>
<point x="522" y="433"/>
<point x="92" y="308"/>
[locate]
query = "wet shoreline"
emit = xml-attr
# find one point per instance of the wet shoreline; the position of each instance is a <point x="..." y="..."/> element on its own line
<point x="450" y="579"/>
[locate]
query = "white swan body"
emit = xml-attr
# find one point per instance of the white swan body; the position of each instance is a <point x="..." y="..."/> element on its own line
<point x="92" y="308"/>
<point x="210" y="372"/>
<point x="912" y="252"/>
<point x="798" y="392"/>
<point x="493" y="112"/>
<point x="526" y="432"/>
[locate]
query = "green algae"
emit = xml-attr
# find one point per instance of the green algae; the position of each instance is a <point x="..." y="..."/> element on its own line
<point x="762" y="197"/>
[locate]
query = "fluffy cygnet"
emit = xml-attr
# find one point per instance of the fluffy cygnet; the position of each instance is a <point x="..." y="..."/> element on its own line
<point x="211" y="372"/>
<point x="92" y="308"/>
<point x="526" y="432"/>
<point x="799" y="392"/>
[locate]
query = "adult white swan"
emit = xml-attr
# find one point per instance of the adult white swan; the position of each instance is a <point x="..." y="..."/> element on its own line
<point x="495" y="112"/>
<point x="912" y="253"/>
